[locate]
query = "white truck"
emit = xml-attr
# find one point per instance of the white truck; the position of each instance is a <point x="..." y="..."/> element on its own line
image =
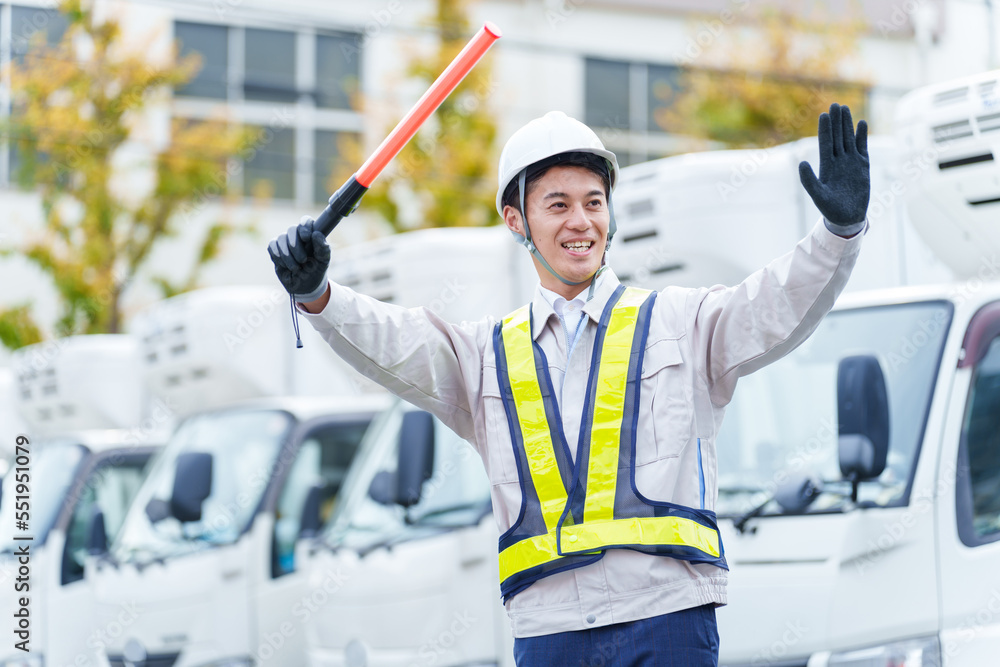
<point x="89" y="433"/>
<point x="904" y="571"/>
<point x="204" y="561"/>
<point x="858" y="476"/>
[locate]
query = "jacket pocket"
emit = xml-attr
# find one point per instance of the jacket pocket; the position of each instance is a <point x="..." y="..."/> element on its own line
<point x="666" y="402"/>
<point x="501" y="465"/>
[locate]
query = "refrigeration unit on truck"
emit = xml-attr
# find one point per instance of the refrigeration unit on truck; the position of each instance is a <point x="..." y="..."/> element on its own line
<point x="840" y="464"/>
<point x="88" y="434"/>
<point x="206" y="552"/>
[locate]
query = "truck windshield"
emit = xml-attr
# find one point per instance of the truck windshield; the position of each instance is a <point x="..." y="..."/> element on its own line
<point x="783" y="419"/>
<point x="244" y="445"/>
<point x="456" y="495"/>
<point x="53" y="468"/>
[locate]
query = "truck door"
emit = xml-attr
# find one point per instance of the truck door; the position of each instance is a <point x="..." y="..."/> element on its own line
<point x="282" y="601"/>
<point x="969" y="501"/>
<point x="109" y="484"/>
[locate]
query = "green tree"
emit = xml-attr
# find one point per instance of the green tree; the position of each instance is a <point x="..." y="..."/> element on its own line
<point x="449" y="167"/>
<point x="764" y="80"/>
<point x="76" y="105"/>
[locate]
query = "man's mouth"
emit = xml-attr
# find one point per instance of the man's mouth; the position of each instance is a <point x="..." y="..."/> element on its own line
<point x="578" y="246"/>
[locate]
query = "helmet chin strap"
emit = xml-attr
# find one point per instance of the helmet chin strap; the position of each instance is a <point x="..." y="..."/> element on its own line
<point x="538" y="255"/>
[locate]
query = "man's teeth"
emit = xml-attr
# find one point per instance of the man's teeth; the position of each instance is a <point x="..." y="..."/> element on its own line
<point x="578" y="245"/>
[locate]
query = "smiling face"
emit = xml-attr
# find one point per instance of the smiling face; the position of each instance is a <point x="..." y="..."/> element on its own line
<point x="568" y="216"/>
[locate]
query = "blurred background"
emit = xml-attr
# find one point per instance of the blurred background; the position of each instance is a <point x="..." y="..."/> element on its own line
<point x="149" y="150"/>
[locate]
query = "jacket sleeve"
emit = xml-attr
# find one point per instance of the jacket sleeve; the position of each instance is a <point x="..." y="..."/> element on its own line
<point x="743" y="328"/>
<point x="412" y="352"/>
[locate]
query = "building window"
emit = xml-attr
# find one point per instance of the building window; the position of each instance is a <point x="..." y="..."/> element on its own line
<point x="607" y="94"/>
<point x="330" y="161"/>
<point x="269" y="66"/>
<point x="269" y="77"/>
<point x="662" y="84"/>
<point x="626" y="99"/>
<point x="27" y="26"/>
<point x="31" y="23"/>
<point x="211" y="43"/>
<point x="337" y="70"/>
<point x="271" y="170"/>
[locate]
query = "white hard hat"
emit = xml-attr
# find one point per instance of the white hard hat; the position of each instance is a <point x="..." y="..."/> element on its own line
<point x="542" y="138"/>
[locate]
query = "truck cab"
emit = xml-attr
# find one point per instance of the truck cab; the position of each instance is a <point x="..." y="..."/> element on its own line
<point x="266" y="434"/>
<point x="72" y="480"/>
<point x="902" y="571"/>
<point x="836" y="563"/>
<point x="88" y="436"/>
<point x="413" y="550"/>
<point x="206" y="552"/>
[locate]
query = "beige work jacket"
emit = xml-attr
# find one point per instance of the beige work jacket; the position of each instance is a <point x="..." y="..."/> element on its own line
<point x="700" y="342"/>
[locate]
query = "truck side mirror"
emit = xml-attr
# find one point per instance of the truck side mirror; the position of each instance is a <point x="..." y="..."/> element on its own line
<point x="192" y="484"/>
<point x="798" y="493"/>
<point x="311" y="521"/>
<point x="97" y="536"/>
<point x="416" y="456"/>
<point x="383" y="488"/>
<point x="863" y="419"/>
<point x="157" y="510"/>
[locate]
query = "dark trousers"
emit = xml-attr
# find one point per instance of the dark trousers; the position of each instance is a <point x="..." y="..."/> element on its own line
<point x="688" y="638"/>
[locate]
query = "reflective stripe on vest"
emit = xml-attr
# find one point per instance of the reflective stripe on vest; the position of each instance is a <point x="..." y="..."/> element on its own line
<point x="572" y="511"/>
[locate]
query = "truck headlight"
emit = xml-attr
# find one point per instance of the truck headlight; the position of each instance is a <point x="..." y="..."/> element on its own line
<point x="28" y="660"/>
<point x="921" y="652"/>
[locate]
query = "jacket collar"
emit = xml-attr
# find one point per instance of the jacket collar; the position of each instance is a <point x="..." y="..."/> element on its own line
<point x="541" y="309"/>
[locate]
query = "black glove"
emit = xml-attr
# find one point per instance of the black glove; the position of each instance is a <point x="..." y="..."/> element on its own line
<point x="842" y="190"/>
<point x="301" y="258"/>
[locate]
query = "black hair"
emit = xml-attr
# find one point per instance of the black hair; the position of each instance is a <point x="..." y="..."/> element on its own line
<point x="595" y="163"/>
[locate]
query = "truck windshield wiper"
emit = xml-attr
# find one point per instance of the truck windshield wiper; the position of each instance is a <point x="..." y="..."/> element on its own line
<point x="482" y="509"/>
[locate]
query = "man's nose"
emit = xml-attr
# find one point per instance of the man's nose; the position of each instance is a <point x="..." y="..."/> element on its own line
<point x="578" y="218"/>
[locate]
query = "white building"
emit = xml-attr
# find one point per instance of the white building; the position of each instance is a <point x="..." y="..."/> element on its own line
<point x="291" y="68"/>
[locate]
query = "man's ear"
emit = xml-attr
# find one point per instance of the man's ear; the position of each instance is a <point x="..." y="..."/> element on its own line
<point x="512" y="218"/>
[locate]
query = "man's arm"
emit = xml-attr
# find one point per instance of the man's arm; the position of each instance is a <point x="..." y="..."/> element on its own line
<point x="434" y="364"/>
<point x="413" y="353"/>
<point x="743" y="328"/>
<point x="748" y="326"/>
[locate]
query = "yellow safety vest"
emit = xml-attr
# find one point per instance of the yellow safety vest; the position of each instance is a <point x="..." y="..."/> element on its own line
<point x="572" y="511"/>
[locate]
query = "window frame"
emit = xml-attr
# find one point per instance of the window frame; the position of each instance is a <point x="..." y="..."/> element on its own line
<point x="983" y="330"/>
<point x="7" y="175"/>
<point x="94" y="463"/>
<point x="287" y="458"/>
<point x="305" y="116"/>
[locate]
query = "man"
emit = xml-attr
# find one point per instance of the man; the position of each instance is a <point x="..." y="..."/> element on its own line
<point x="595" y="408"/>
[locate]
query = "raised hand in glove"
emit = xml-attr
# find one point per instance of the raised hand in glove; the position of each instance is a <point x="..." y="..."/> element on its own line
<point x="301" y="258"/>
<point x="842" y="190"/>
